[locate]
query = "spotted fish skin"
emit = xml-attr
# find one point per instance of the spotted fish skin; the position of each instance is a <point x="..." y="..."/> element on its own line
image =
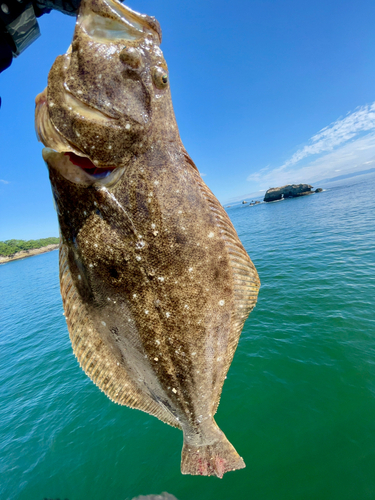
<point x="156" y="285"/>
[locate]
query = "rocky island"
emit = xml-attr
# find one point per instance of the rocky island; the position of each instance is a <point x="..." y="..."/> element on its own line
<point x="289" y="191"/>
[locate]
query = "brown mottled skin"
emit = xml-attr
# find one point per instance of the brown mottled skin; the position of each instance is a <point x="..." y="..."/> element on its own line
<point x="155" y="283"/>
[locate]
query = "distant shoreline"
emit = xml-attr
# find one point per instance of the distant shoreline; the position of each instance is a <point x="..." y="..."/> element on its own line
<point x="28" y="253"/>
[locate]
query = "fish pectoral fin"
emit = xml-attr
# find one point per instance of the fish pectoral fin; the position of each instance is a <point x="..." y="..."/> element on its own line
<point x="94" y="356"/>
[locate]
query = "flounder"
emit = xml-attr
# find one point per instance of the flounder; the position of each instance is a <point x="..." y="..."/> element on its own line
<point x="155" y="283"/>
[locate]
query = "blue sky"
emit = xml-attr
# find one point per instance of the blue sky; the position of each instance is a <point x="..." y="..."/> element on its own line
<point x="265" y="93"/>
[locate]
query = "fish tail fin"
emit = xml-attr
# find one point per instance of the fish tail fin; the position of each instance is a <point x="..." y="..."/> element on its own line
<point x="214" y="459"/>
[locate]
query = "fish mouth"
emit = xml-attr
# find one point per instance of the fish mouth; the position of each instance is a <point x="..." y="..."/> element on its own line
<point x="80" y="170"/>
<point x="87" y="166"/>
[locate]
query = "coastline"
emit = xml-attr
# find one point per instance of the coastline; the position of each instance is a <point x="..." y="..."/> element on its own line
<point x="28" y="253"/>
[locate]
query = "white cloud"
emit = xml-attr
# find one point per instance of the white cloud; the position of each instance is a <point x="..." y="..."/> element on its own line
<point x="4" y="182"/>
<point x="345" y="146"/>
<point x="342" y="130"/>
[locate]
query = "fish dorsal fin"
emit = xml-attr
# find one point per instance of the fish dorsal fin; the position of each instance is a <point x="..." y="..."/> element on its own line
<point x="245" y="277"/>
<point x="94" y="356"/>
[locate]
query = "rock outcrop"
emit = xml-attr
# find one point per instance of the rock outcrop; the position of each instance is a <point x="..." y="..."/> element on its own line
<point x="289" y="191"/>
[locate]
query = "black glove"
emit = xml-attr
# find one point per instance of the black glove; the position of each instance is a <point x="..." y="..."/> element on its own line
<point x="69" y="7"/>
<point x="6" y="54"/>
<point x="19" y="27"/>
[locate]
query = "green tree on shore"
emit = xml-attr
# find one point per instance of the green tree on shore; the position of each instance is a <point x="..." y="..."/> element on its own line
<point x="10" y="247"/>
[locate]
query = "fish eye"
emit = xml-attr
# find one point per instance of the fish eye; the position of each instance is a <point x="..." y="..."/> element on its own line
<point x="160" y="77"/>
<point x="131" y="56"/>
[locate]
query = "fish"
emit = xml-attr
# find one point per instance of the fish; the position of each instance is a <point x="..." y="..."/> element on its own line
<point x="155" y="283"/>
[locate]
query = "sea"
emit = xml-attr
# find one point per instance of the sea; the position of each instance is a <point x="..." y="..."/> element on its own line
<point x="298" y="403"/>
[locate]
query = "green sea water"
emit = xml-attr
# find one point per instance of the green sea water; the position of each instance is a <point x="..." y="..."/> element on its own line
<point x="298" y="404"/>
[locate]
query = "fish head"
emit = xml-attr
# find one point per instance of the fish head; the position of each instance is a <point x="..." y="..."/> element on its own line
<point x="108" y="97"/>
